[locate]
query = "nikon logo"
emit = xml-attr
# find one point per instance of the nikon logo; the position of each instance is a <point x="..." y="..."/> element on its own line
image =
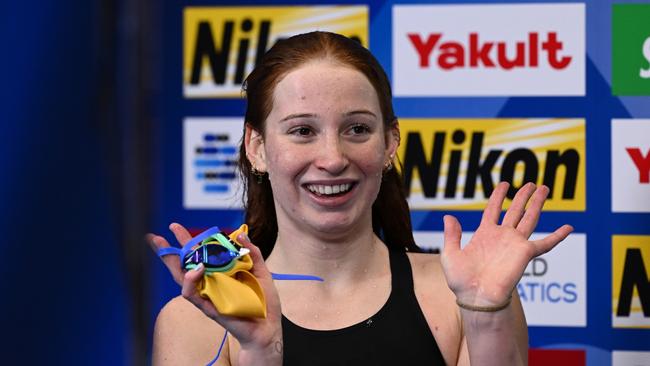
<point x="222" y="45"/>
<point x="631" y="281"/>
<point x="445" y="165"/>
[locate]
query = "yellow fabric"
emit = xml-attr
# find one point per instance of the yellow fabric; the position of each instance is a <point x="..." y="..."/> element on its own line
<point x="235" y="292"/>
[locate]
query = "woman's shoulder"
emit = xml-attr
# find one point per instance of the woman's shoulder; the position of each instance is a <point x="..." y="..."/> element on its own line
<point x="184" y="335"/>
<point x="426" y="264"/>
<point x="438" y="303"/>
<point x="429" y="277"/>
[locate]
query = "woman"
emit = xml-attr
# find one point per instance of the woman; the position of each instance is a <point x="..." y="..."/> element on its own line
<point x="323" y="199"/>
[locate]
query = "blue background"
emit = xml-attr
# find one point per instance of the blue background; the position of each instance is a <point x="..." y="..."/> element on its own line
<point x="91" y="150"/>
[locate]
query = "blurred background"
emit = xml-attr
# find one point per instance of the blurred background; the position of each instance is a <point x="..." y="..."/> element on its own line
<point x="97" y="110"/>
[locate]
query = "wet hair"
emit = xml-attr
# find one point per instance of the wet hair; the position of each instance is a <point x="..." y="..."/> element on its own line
<point x="390" y="213"/>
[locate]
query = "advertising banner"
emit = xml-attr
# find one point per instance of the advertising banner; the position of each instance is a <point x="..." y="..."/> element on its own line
<point x="455" y="163"/>
<point x="221" y="45"/>
<point x="465" y="50"/>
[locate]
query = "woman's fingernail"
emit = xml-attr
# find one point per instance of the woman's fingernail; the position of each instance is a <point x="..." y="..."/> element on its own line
<point x="244" y="237"/>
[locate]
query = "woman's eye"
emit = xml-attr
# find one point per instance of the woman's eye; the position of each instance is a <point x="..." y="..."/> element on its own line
<point x="359" y="129"/>
<point x="301" y="131"/>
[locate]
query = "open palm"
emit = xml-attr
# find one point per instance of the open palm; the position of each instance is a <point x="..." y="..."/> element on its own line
<point x="487" y="269"/>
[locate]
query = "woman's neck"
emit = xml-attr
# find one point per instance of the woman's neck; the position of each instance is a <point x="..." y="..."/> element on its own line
<point x="346" y="256"/>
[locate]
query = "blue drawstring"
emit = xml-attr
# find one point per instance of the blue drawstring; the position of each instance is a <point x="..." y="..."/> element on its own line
<point x="219" y="351"/>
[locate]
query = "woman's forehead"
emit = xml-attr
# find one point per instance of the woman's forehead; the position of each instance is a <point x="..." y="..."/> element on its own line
<point x="323" y="85"/>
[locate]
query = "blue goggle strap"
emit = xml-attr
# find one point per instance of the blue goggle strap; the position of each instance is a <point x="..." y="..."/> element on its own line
<point x="182" y="252"/>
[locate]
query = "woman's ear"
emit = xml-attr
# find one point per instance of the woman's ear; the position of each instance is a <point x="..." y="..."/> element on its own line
<point x="254" y="143"/>
<point x="392" y="139"/>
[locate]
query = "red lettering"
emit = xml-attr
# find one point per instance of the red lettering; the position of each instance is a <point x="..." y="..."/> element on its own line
<point x="481" y="53"/>
<point x="424" y="49"/>
<point x="452" y="55"/>
<point x="520" y="56"/>
<point x="552" y="46"/>
<point x="641" y="162"/>
<point x="532" y="49"/>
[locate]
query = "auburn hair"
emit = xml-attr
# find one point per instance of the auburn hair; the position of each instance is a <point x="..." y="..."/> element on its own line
<point x="391" y="219"/>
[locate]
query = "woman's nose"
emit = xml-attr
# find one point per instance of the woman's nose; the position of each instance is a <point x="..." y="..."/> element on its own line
<point x="332" y="156"/>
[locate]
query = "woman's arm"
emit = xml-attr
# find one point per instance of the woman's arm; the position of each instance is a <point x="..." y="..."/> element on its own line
<point x="495" y="338"/>
<point x="183" y="335"/>
<point x="484" y="273"/>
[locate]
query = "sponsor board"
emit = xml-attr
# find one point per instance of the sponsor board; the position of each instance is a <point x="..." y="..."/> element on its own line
<point x="630" y="49"/>
<point x="221" y="45"/>
<point x="631" y="165"/>
<point x="630" y="281"/>
<point x="545" y="357"/>
<point x="210" y="153"/>
<point x="630" y="358"/>
<point x="553" y="289"/>
<point x="456" y="163"/>
<point x="489" y="50"/>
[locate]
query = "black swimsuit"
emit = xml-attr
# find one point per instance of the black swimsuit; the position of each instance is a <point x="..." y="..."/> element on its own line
<point x="398" y="334"/>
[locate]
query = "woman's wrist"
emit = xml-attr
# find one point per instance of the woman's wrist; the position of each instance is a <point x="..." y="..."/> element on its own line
<point x="484" y="308"/>
<point x="269" y="354"/>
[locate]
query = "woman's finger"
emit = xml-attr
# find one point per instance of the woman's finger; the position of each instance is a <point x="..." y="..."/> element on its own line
<point x="259" y="266"/>
<point x="495" y="204"/>
<point x="528" y="223"/>
<point x="516" y="210"/>
<point x="191" y="281"/>
<point x="549" y="242"/>
<point x="180" y="232"/>
<point x="172" y="262"/>
<point x="452" y="235"/>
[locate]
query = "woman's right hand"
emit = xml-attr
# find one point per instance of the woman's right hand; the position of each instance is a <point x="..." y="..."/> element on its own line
<point x="260" y="339"/>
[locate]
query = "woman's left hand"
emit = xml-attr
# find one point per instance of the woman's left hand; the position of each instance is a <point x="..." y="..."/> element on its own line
<point x="487" y="269"/>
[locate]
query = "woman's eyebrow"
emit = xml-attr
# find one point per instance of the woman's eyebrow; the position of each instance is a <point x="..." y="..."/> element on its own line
<point x="298" y="115"/>
<point x="360" y="111"/>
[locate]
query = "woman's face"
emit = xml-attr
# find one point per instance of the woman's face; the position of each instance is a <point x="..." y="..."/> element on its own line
<point x="324" y="148"/>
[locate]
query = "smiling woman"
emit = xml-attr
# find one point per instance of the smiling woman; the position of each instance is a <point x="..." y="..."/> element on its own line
<point x="334" y="53"/>
<point x="323" y="198"/>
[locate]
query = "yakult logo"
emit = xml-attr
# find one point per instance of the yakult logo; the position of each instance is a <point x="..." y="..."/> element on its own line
<point x="630" y="165"/>
<point x="478" y="50"/>
<point x="477" y="53"/>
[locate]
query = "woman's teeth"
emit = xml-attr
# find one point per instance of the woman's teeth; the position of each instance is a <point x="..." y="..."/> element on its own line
<point x="327" y="190"/>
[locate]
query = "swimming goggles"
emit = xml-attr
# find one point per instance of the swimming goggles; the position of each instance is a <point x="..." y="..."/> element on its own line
<point x="212" y="247"/>
<point x="218" y="253"/>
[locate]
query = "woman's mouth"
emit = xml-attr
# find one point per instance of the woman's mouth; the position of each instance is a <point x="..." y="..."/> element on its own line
<point x="329" y="190"/>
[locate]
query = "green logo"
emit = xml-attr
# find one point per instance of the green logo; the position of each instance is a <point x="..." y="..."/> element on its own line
<point x="631" y="49"/>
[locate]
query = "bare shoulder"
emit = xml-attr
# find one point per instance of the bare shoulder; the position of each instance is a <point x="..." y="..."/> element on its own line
<point x="429" y="279"/>
<point x="438" y="304"/>
<point x="183" y="335"/>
